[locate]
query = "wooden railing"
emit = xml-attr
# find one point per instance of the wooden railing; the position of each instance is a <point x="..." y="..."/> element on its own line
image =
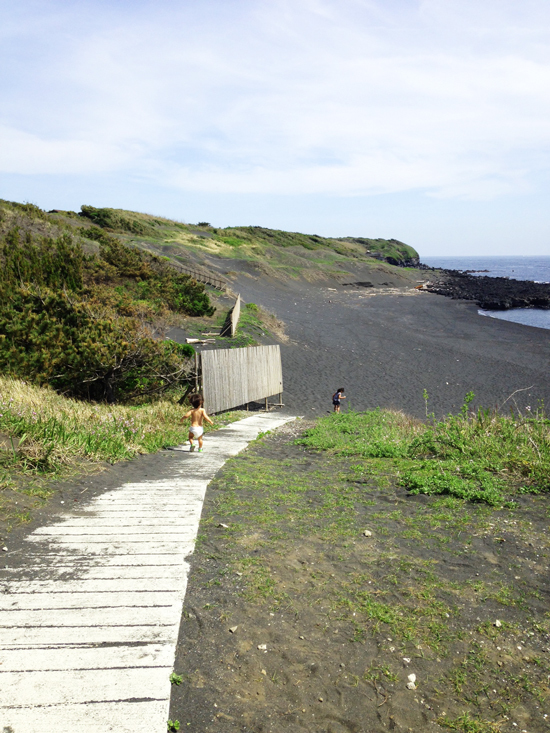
<point x="231" y="324"/>
<point x="201" y="276"/>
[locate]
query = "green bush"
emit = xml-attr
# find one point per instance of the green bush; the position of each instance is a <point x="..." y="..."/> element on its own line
<point x="232" y="241"/>
<point x="31" y="210"/>
<point x="111" y="219"/>
<point x="55" y="263"/>
<point x="57" y="338"/>
<point x="95" y="234"/>
<point x="76" y="323"/>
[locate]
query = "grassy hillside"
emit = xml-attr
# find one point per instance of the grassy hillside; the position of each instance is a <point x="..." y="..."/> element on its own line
<point x="285" y="254"/>
<point x="243" y="242"/>
<point x="278" y="254"/>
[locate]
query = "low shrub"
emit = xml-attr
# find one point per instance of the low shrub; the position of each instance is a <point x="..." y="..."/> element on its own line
<point x="112" y="219"/>
<point x="60" y="339"/>
<point x="482" y="456"/>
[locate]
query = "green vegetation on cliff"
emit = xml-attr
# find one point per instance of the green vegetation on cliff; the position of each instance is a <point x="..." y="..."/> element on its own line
<point x="82" y="318"/>
<point x="256" y="243"/>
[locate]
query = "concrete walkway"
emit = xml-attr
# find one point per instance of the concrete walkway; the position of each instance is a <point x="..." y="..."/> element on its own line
<point x="89" y="646"/>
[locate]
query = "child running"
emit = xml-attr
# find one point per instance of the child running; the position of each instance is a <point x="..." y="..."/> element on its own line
<point x="336" y="397"/>
<point x="197" y="415"/>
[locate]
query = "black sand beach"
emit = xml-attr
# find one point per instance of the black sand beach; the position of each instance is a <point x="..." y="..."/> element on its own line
<point x="386" y="345"/>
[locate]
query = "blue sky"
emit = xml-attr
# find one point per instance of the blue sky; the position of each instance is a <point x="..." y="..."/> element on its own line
<point x="425" y="120"/>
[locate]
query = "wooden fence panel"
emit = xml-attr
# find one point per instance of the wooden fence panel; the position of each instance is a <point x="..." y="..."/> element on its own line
<point x="234" y="377"/>
<point x="235" y="315"/>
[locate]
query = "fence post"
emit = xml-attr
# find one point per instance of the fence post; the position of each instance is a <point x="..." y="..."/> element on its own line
<point x="196" y="372"/>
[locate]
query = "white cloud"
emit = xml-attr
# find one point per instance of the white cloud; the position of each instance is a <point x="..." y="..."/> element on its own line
<point x="25" y="153"/>
<point x="309" y="96"/>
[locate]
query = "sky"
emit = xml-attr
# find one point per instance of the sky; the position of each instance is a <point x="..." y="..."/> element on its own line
<point x="422" y="120"/>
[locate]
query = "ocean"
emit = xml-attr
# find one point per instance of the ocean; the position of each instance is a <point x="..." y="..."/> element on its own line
<point x="536" y="269"/>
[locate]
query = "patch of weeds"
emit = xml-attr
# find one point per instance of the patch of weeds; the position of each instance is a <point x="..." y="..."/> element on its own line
<point x="488" y="629"/>
<point x="467" y="724"/>
<point x="260" y="583"/>
<point x="413" y="534"/>
<point x="507" y="595"/>
<point x="476" y="457"/>
<point x="523" y="682"/>
<point x="472" y="483"/>
<point x="176" y="679"/>
<point x="377" y="672"/>
<point x="375" y="434"/>
<point x="22" y="517"/>
<point x="173" y="725"/>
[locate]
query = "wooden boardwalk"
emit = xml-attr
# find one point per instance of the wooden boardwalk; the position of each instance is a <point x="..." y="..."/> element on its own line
<point x="88" y="628"/>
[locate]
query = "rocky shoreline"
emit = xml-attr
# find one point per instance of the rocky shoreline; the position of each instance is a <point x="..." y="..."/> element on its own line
<point x="491" y="293"/>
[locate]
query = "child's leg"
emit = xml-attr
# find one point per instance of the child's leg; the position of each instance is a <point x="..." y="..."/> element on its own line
<point x="190" y="437"/>
<point x="200" y="442"/>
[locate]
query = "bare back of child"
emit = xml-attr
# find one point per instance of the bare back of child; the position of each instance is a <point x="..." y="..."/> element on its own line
<point x="198" y="416"/>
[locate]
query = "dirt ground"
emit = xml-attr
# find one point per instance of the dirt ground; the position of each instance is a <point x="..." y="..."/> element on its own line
<point x="296" y="620"/>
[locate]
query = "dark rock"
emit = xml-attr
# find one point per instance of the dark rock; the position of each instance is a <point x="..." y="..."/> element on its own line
<point x="491" y="293"/>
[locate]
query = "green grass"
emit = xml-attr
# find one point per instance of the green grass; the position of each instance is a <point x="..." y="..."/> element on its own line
<point x="483" y="457"/>
<point x="467" y="724"/>
<point x="45" y="433"/>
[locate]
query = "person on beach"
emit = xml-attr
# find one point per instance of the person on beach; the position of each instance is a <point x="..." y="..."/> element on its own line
<point x="197" y="415"/>
<point x="336" y="397"/>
